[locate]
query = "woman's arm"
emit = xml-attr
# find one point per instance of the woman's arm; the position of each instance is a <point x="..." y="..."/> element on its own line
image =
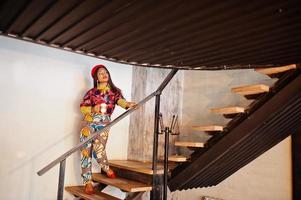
<point x="125" y="104"/>
<point x="86" y="106"/>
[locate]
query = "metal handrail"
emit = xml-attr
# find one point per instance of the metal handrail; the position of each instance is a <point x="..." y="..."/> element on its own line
<point x="108" y="126"/>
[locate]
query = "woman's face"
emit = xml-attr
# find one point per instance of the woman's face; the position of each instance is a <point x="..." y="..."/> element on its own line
<point x="102" y="75"/>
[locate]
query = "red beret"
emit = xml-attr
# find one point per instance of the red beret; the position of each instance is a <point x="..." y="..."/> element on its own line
<point x="95" y="68"/>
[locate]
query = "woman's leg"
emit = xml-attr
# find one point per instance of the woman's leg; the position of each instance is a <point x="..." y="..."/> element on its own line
<point x="99" y="148"/>
<point x="86" y="155"/>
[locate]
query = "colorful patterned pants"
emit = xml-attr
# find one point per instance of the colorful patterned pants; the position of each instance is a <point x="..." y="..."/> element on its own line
<point x="95" y="148"/>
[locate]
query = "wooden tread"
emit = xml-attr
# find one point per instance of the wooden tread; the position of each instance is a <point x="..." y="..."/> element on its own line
<point x="228" y="110"/>
<point x="136" y="166"/>
<point x="122" y="183"/>
<point x="276" y="70"/>
<point x="251" y="89"/>
<point x="80" y="192"/>
<point x="189" y="144"/>
<point x="208" y="128"/>
<point x="175" y="158"/>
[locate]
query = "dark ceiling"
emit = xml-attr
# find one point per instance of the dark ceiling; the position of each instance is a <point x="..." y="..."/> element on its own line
<point x="199" y="34"/>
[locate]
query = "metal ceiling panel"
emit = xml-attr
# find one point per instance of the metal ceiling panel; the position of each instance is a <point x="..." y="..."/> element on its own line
<point x="171" y="33"/>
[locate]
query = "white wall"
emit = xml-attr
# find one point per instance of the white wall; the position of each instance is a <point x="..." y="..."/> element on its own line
<point x="41" y="89"/>
<point x="269" y="177"/>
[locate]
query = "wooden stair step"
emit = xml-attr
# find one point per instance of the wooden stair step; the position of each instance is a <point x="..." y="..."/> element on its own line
<point x="122" y="183"/>
<point x="251" y="89"/>
<point x="189" y="144"/>
<point x="208" y="128"/>
<point x="276" y="70"/>
<point x="136" y="166"/>
<point x="228" y="110"/>
<point x="79" y="191"/>
<point x="175" y="158"/>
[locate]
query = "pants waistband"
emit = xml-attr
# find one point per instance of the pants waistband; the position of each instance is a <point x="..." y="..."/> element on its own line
<point x="98" y="118"/>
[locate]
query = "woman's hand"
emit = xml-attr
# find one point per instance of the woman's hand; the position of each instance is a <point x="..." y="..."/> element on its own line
<point x="131" y="105"/>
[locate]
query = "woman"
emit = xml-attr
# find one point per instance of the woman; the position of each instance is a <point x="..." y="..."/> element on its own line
<point x="97" y="107"/>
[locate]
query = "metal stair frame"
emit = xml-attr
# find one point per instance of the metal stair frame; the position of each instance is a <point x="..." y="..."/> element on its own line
<point x="256" y="134"/>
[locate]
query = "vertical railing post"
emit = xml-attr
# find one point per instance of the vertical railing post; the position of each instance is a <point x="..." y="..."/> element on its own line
<point x="60" y="191"/>
<point x="166" y="147"/>
<point x="156" y="191"/>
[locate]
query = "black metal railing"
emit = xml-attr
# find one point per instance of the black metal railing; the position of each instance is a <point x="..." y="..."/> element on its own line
<point x="167" y="131"/>
<point x="156" y="191"/>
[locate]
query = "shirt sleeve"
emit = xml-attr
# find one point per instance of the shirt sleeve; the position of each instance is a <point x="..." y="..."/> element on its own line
<point x="120" y="101"/>
<point x="86" y="104"/>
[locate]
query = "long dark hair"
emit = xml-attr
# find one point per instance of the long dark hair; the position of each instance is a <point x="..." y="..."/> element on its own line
<point x="114" y="88"/>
